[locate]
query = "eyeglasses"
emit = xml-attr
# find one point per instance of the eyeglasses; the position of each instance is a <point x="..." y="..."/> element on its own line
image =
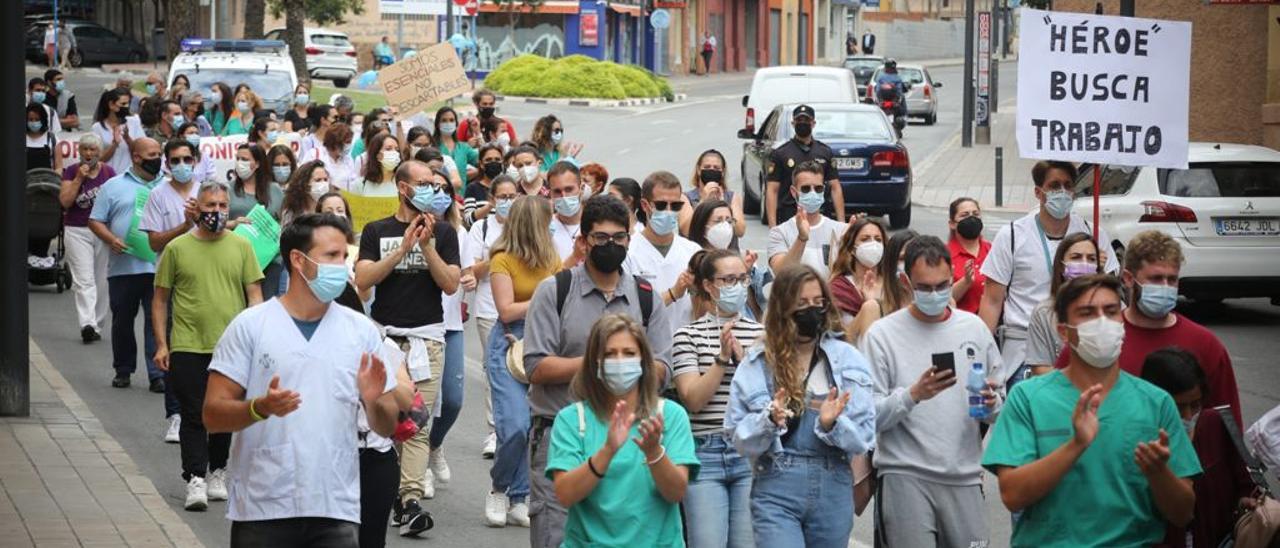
<point x="811" y="188"/>
<point x="602" y="238"/>
<point x="726" y="281"/>
<point x="663" y="206"/>
<point x="189" y="160"/>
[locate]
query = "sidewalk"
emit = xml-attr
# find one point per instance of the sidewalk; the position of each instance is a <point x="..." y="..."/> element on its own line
<point x="954" y="171"/>
<point x="64" y="481"/>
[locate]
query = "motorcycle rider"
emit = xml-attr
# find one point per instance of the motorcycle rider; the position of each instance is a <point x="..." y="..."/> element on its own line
<point x="890" y="76"/>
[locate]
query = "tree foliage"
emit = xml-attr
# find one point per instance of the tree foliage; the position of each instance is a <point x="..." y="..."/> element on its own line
<point x="321" y="12"/>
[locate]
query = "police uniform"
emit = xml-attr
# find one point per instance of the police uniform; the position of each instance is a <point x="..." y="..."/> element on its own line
<point x="784" y="159"/>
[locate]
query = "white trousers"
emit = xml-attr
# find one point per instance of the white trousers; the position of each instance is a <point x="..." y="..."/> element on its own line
<point x="87" y="256"/>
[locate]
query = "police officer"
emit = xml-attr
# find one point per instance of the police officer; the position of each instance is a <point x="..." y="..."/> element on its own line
<point x="779" y="204"/>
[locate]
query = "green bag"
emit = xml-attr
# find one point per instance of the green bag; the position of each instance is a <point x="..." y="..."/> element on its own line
<point x="263" y="234"/>
<point x="136" y="241"/>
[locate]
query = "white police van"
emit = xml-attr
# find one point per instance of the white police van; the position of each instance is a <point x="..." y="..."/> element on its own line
<point x="264" y="65"/>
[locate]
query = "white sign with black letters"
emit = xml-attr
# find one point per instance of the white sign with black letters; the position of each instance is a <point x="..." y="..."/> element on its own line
<point x="1103" y="89"/>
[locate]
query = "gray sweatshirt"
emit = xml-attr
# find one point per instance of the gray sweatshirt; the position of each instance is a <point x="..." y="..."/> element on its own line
<point x="934" y="440"/>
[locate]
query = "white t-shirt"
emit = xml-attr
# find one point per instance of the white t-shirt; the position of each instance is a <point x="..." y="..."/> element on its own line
<point x="365" y="187"/>
<point x="121" y="160"/>
<point x="662" y="272"/>
<point x="824" y="241"/>
<point x="342" y="171"/>
<point x="393" y="358"/>
<point x="480" y="238"/>
<point x="305" y="463"/>
<point x="563" y="236"/>
<point x="166" y="207"/>
<point x="1028" y="264"/>
<point x="453" y="303"/>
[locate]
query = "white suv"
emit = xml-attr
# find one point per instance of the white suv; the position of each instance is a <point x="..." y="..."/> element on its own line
<point x="1224" y="210"/>
<point x="330" y="55"/>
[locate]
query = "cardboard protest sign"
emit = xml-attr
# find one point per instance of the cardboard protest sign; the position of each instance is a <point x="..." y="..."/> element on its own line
<point x="263" y="233"/>
<point x="366" y="209"/>
<point x="1103" y="89"/>
<point x="431" y="76"/>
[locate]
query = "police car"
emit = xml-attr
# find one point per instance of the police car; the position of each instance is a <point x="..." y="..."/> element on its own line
<point x="264" y="65"/>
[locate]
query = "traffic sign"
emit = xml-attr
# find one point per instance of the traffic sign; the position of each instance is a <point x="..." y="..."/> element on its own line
<point x="472" y="7"/>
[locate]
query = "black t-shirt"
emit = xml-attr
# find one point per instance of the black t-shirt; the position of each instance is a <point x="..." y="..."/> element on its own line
<point x="299" y="122"/>
<point x="784" y="159"/>
<point x="409" y="297"/>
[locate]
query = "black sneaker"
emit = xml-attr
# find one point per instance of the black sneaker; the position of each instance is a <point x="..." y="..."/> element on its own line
<point x="88" y="334"/>
<point x="120" y="381"/>
<point x="397" y="512"/>
<point x="157" y="385"/>
<point x="415" y="520"/>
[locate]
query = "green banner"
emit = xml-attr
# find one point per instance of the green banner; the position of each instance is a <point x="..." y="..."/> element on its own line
<point x="136" y="241"/>
<point x="263" y="233"/>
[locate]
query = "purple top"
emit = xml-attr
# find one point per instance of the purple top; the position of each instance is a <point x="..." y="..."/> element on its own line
<point x="78" y="213"/>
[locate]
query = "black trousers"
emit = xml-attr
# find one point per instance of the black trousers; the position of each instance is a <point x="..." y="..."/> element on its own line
<point x="379" y="481"/>
<point x="201" y="452"/>
<point x="294" y="533"/>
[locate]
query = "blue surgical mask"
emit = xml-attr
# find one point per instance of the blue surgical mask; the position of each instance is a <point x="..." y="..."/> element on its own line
<point x="664" y="222"/>
<point x="35" y="127"/>
<point x="1157" y="301"/>
<point x="301" y="99"/>
<point x="151" y="89"/>
<point x="440" y="203"/>
<point x="182" y="173"/>
<point x="272" y="136"/>
<point x="503" y="208"/>
<point x="557" y="136"/>
<point x="281" y="173"/>
<point x="811" y="201"/>
<point x="423" y="197"/>
<point x="568" y="206"/>
<point x="194" y="140"/>
<point x="330" y="280"/>
<point x="932" y="303"/>
<point x="37" y="96"/>
<point x="1058" y="202"/>
<point x="177" y="121"/>
<point x="60" y="85"/>
<point x="620" y="375"/>
<point x="732" y="298"/>
<point x="448" y="128"/>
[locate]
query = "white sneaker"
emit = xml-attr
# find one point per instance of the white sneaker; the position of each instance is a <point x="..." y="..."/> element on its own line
<point x="496" y="507"/>
<point x="439" y="467"/>
<point x="217" y="482"/>
<point x="175" y="423"/>
<point x="490" y="446"/>
<point x="428" y="485"/>
<point x="518" y="515"/>
<point x="197" y="495"/>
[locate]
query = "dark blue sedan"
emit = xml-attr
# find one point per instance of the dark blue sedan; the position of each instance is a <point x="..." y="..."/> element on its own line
<point x="874" y="167"/>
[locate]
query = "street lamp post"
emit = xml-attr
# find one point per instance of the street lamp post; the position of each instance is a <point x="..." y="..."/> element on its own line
<point x="15" y="366"/>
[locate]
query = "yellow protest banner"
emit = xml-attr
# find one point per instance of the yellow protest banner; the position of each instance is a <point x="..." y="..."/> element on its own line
<point x="431" y="76"/>
<point x="366" y="209"/>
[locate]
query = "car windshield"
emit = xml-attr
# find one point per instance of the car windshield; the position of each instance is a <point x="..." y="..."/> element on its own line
<point x="1224" y="180"/>
<point x="271" y="86"/>
<point x="330" y="40"/>
<point x="850" y="126"/>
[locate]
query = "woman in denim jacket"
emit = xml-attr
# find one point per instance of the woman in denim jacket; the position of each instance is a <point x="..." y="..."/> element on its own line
<point x="800" y="407"/>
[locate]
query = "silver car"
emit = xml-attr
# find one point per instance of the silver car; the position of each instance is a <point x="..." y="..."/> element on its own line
<point x="330" y="55"/>
<point x="922" y="98"/>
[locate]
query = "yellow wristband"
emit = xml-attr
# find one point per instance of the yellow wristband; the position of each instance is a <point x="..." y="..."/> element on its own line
<point x="254" y="413"/>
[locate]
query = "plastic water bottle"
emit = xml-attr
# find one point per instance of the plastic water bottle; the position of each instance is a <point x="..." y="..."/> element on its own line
<point x="976" y="384"/>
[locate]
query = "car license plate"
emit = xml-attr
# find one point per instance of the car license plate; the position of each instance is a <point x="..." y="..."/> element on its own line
<point x="850" y="163"/>
<point x="1253" y="226"/>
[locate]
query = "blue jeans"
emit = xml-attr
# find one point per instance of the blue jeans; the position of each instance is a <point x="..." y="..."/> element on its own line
<point x="717" y="505"/>
<point x="510" y="471"/>
<point x="451" y="385"/>
<point x="271" y="276"/>
<point x="803" y="496"/>
<point x="127" y="294"/>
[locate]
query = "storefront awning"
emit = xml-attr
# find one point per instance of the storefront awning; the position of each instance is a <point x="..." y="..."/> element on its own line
<point x="628" y="9"/>
<point x="554" y="7"/>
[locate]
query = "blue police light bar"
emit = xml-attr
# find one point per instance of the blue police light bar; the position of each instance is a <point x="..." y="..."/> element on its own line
<point x="246" y="46"/>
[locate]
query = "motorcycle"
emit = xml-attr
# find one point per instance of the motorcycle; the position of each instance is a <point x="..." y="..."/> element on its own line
<point x="894" y="105"/>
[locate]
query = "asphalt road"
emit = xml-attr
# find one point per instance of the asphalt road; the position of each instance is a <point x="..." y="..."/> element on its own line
<point x="630" y="142"/>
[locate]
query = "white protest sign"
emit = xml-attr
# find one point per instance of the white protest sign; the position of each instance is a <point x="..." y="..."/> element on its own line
<point x="1103" y="89"/>
<point x="219" y="150"/>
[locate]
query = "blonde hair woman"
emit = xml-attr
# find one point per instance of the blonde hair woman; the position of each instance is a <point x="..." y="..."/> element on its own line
<point x="246" y="103"/>
<point x="522" y="257"/>
<point x="800" y="407"/>
<point x="622" y="457"/>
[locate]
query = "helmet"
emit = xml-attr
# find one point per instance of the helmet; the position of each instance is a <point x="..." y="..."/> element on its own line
<point x="891" y="64"/>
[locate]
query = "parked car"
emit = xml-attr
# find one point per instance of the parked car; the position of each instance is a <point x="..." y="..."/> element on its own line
<point x="873" y="165"/>
<point x="330" y="55"/>
<point x="262" y="64"/>
<point x="95" y="44"/>
<point x="922" y="92"/>
<point x="1224" y="210"/>
<point x="795" y="84"/>
<point x="863" y="66"/>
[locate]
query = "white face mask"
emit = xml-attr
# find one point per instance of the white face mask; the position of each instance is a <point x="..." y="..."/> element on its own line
<point x="1190" y="424"/>
<point x="721" y="235"/>
<point x="319" y="188"/>
<point x="529" y="173"/>
<point x="390" y="160"/>
<point x="869" y="253"/>
<point x="1100" y="341"/>
<point x="244" y="170"/>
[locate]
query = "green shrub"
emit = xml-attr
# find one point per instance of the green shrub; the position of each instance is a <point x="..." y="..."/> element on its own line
<point x="516" y="68"/>
<point x="575" y="76"/>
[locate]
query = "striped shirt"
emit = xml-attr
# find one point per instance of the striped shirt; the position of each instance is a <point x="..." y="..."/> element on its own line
<point x="694" y="349"/>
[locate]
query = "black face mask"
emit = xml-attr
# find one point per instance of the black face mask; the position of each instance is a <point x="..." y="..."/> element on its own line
<point x="151" y="166"/>
<point x="970" y="227"/>
<point x="809" y="321"/>
<point x="804" y="130"/>
<point x="711" y="175"/>
<point x="608" y="258"/>
<point x="487" y="112"/>
<point x="492" y="169"/>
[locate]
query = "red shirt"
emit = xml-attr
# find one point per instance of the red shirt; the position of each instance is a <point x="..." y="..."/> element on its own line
<point x="960" y="258"/>
<point x="1190" y="336"/>
<point x="1218" y="489"/>
<point x="464" y="131"/>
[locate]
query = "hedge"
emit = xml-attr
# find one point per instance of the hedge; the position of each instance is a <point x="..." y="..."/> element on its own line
<point x="575" y="76"/>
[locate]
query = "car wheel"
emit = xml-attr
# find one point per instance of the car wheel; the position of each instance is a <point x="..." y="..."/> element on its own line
<point x="901" y="218"/>
<point x="341" y="82"/>
<point x="76" y="58"/>
<point x="136" y="57"/>
<point x="931" y="119"/>
<point x="750" y="201"/>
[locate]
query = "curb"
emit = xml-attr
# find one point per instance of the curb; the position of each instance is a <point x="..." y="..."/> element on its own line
<point x="592" y="103"/>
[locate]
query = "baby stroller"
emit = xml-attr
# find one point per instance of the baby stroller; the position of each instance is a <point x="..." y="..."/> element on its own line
<point x="44" y="223"/>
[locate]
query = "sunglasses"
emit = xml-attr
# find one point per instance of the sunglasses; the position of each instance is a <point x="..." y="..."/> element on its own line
<point x="663" y="206"/>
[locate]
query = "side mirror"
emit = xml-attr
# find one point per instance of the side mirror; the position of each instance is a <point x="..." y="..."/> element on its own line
<point x="747" y="133"/>
<point x="937" y="84"/>
<point x="744" y="100"/>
